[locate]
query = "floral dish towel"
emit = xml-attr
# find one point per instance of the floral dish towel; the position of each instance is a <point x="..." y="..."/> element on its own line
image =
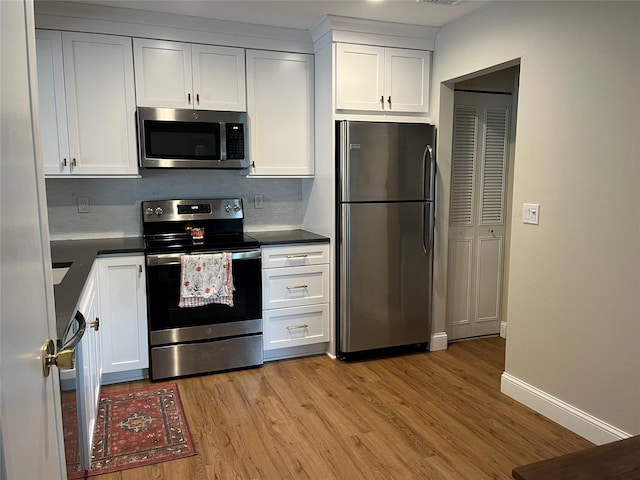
<point x="206" y="279"/>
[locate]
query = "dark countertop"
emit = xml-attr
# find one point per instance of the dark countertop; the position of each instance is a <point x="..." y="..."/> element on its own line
<point x="81" y="254"/>
<point x="281" y="237"/>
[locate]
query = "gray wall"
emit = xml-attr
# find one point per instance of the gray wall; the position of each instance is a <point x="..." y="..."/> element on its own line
<point x="115" y="203"/>
<point x="574" y="303"/>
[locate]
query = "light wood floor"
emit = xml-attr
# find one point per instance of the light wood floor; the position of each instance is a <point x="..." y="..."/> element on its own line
<point x="437" y="415"/>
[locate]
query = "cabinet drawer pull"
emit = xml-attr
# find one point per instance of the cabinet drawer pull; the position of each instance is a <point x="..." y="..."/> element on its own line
<point x="293" y="287"/>
<point x="297" y="327"/>
<point x="300" y="255"/>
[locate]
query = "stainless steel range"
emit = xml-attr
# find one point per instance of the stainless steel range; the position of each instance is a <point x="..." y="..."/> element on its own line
<point x="212" y="337"/>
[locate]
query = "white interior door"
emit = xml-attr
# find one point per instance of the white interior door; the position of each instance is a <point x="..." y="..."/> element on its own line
<point x="31" y="444"/>
<point x="477" y="217"/>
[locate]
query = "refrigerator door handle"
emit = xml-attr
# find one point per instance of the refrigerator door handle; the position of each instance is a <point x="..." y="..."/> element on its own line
<point x="427" y="237"/>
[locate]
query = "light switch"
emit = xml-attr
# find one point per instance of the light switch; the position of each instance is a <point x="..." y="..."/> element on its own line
<point x="531" y="213"/>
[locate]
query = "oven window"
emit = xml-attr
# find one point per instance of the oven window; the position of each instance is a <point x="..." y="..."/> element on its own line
<point x="163" y="284"/>
<point x="182" y="140"/>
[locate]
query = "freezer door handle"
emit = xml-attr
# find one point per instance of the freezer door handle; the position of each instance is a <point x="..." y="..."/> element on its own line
<point x="345" y="148"/>
<point x="428" y="151"/>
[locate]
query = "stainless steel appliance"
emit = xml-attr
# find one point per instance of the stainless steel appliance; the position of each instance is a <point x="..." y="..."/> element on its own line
<point x="186" y="138"/>
<point x="385" y="227"/>
<point x="209" y="338"/>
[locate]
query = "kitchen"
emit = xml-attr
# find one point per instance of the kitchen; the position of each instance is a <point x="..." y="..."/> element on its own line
<point x="453" y="73"/>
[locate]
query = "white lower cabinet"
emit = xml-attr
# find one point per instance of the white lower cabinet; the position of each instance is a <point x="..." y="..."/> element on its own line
<point x="295" y="299"/>
<point x="123" y="317"/>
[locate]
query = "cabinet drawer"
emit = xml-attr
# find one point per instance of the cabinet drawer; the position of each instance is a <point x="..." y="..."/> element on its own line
<point x="295" y="286"/>
<point x="290" y="327"/>
<point x="295" y="255"/>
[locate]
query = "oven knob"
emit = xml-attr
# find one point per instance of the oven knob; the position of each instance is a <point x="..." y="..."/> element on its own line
<point x="237" y="208"/>
<point x="149" y="211"/>
<point x="227" y="208"/>
<point x="159" y="211"/>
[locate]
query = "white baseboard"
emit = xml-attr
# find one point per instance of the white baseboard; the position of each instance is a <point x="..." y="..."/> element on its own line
<point x="121" y="377"/>
<point x="503" y="329"/>
<point x="438" y="341"/>
<point x="574" y="419"/>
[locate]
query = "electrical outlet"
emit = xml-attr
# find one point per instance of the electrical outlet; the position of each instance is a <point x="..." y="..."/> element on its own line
<point x="531" y="213"/>
<point x="83" y="205"/>
<point x="258" y="201"/>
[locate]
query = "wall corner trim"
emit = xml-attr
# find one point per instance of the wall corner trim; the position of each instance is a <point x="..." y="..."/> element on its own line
<point x="570" y="417"/>
<point x="438" y="341"/>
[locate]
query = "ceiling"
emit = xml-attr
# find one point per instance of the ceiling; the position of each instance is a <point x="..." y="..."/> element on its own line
<point x="304" y="14"/>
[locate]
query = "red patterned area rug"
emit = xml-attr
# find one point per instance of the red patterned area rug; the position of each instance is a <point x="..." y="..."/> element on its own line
<point x="135" y="428"/>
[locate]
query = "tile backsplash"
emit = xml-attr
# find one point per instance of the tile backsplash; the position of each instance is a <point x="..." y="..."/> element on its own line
<point x="114" y="204"/>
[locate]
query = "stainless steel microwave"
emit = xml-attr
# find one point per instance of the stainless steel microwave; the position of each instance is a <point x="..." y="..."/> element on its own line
<point x="185" y="138"/>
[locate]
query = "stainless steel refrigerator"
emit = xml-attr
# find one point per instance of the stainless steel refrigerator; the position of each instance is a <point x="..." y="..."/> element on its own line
<point x="385" y="216"/>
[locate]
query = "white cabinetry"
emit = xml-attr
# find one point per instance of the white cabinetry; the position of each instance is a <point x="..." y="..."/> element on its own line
<point x="379" y="79"/>
<point x="123" y="316"/>
<point x="87" y="104"/>
<point x="295" y="298"/>
<point x="182" y="75"/>
<point x="280" y="107"/>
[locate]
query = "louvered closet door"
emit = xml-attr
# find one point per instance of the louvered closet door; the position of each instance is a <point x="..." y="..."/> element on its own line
<point x="477" y="214"/>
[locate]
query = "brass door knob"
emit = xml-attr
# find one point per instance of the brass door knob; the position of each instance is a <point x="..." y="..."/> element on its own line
<point x="64" y="359"/>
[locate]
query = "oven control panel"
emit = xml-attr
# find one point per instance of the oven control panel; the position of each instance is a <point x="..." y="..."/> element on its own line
<point x="192" y="209"/>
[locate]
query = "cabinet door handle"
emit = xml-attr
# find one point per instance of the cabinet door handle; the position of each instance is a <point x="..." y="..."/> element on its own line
<point x="296" y="327"/>
<point x="295" y="287"/>
<point x="198" y="98"/>
<point x="189" y="98"/>
<point x="382" y="99"/>
<point x="139" y="268"/>
<point x="389" y="100"/>
<point x="299" y="255"/>
<point x="95" y="325"/>
<point x="64" y="162"/>
<point x="74" y="164"/>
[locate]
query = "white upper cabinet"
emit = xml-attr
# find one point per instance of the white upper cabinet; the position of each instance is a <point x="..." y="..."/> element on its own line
<point x="87" y="104"/>
<point x="182" y="75"/>
<point x="378" y="79"/>
<point x="280" y="107"/>
<point x="53" y="111"/>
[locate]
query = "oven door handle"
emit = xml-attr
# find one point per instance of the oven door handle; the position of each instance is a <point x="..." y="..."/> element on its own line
<point x="159" y="259"/>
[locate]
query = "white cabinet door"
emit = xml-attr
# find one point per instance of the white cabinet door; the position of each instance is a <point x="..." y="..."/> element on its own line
<point x="53" y="111"/>
<point x="360" y="77"/>
<point x="182" y="75"/>
<point x="88" y="369"/>
<point x="100" y="97"/>
<point x="219" y="78"/>
<point x="280" y="106"/>
<point x="163" y="73"/>
<point x="407" y="80"/>
<point x="378" y="79"/>
<point x="123" y="313"/>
